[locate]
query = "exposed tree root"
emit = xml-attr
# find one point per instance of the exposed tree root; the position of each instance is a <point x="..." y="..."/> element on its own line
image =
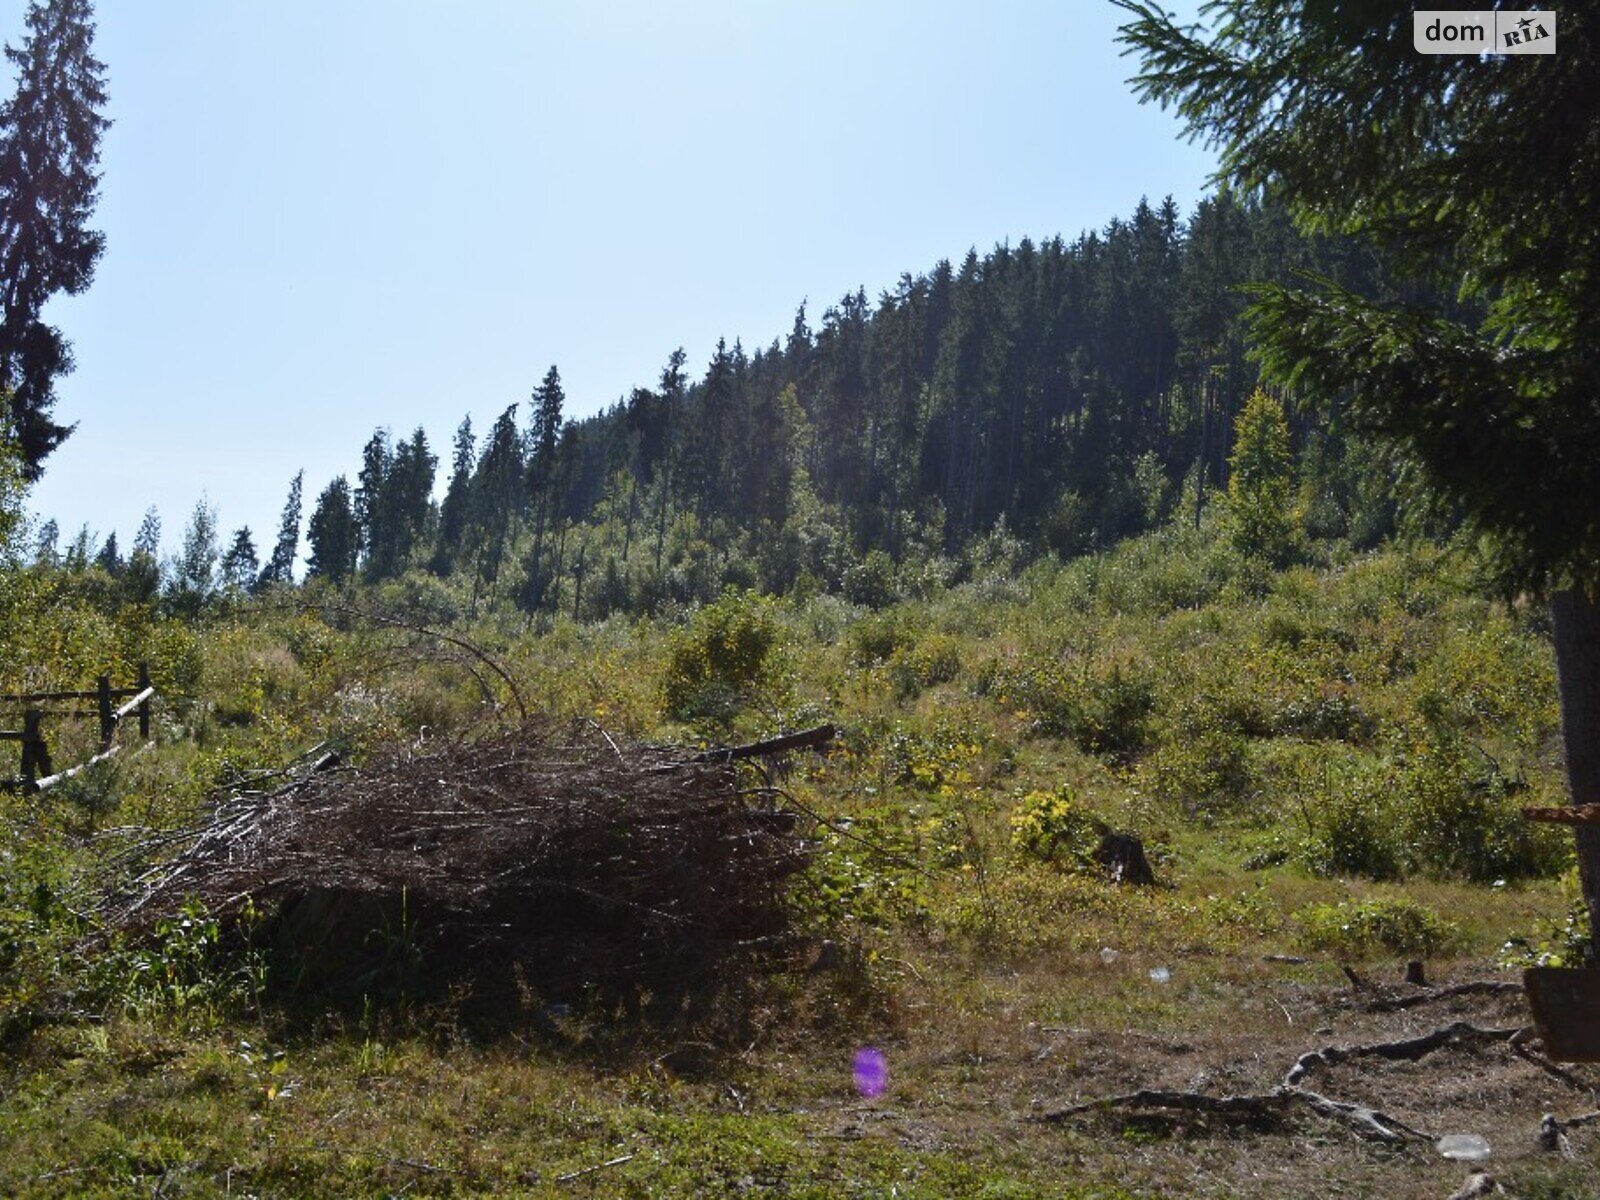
<point x="1474" y="987"/>
<point x="1250" y="1108"/>
<point x="1258" y="1106"/>
<point x="1579" y="1121"/>
<point x="1407" y="1049"/>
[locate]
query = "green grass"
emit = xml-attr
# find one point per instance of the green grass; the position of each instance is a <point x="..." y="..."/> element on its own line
<point x="1323" y="762"/>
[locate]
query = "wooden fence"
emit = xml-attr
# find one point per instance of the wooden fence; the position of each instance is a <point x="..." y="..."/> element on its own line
<point x="38" y="773"/>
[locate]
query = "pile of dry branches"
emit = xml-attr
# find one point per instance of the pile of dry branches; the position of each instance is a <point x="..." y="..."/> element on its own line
<point x="553" y="857"/>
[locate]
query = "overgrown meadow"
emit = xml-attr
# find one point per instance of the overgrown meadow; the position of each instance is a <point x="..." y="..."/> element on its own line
<point x="1325" y="762"/>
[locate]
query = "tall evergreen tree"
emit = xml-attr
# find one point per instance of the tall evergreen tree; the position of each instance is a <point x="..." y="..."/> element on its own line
<point x="280" y="566"/>
<point x="544" y="442"/>
<point x="409" y="492"/>
<point x="373" y="509"/>
<point x="239" y="565"/>
<point x="1260" y="479"/>
<point x="194" y="577"/>
<point x="49" y="151"/>
<point x="1475" y="175"/>
<point x="334" y="534"/>
<point x="109" y="559"/>
<point x="496" y="485"/>
<point x="456" y="510"/>
<point x="141" y="580"/>
<point x="673" y="390"/>
<point x="47" y="545"/>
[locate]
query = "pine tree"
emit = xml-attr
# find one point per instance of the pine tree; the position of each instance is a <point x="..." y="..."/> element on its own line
<point x="544" y="440"/>
<point x="239" y="565"/>
<point x="334" y="534"/>
<point x="1475" y="175"/>
<point x="194" y="579"/>
<point x="109" y="559"/>
<point x="456" y="510"/>
<point x="373" y="508"/>
<point x="141" y="579"/>
<point x="1260" y="479"/>
<point x="49" y="150"/>
<point x="280" y="566"/>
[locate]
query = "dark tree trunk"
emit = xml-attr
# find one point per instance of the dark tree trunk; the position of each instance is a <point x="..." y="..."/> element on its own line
<point x="1577" y="636"/>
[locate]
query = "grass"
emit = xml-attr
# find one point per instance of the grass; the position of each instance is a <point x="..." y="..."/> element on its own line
<point x="1245" y="723"/>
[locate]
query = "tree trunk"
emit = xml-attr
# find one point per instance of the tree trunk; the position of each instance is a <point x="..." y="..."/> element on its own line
<point x="1577" y="637"/>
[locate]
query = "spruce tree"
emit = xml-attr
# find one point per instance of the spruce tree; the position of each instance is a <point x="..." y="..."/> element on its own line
<point x="141" y="579"/>
<point x="408" y="497"/>
<point x="495" y="485"/>
<point x="239" y="565"/>
<point x="334" y="534"/>
<point x="49" y="151"/>
<point x="194" y="578"/>
<point x="456" y="510"/>
<point x="544" y="438"/>
<point x="373" y="508"/>
<point x="109" y="559"/>
<point x="280" y="566"/>
<point x="1260" y="479"/>
<point x="47" y="548"/>
<point x="1474" y="173"/>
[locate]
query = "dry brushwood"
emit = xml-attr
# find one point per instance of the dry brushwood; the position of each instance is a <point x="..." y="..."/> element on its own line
<point x="1256" y="1107"/>
<point x="544" y="857"/>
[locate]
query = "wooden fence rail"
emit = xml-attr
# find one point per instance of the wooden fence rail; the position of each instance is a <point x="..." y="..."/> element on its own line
<point x="38" y="773"/>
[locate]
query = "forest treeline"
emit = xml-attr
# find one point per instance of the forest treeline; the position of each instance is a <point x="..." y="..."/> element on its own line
<point x="1065" y="393"/>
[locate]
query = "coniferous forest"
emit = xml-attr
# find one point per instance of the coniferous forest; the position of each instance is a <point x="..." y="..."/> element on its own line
<point x="1068" y="394"/>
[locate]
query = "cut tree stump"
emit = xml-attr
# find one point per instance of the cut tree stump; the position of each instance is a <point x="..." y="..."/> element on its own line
<point x="1566" y="1011"/>
<point x="1121" y="856"/>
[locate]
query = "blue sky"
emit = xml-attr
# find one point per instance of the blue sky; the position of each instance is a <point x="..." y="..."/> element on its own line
<point x="322" y="218"/>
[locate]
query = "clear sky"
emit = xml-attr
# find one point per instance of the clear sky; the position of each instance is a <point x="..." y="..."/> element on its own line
<point x="326" y="217"/>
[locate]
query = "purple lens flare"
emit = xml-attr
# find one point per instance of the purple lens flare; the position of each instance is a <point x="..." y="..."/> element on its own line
<point x="871" y="1072"/>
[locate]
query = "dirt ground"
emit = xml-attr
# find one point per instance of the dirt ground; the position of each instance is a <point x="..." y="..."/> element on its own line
<point x="992" y="1076"/>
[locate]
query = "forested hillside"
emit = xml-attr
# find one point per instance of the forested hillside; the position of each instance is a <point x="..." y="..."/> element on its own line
<point x="1069" y="393"/>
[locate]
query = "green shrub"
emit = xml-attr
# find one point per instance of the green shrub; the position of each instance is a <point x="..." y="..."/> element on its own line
<point x="871" y="581"/>
<point x="1105" y="714"/>
<point x="1204" y="774"/>
<point x="1376" y="926"/>
<point x="879" y="637"/>
<point x="1460" y="817"/>
<point x="729" y="652"/>
<point x="1561" y="941"/>
<point x="1354" y="831"/>
<point x="932" y="660"/>
<point x="1113" y="721"/>
<point x="1053" y="827"/>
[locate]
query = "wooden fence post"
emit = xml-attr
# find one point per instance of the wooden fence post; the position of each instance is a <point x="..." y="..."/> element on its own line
<point x="35" y="754"/>
<point x="108" y="724"/>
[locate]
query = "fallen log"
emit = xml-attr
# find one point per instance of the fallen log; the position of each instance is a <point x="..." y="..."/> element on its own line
<point x="821" y="735"/>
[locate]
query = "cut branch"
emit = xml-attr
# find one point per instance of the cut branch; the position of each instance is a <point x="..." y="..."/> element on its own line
<point x="1256" y="1106"/>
